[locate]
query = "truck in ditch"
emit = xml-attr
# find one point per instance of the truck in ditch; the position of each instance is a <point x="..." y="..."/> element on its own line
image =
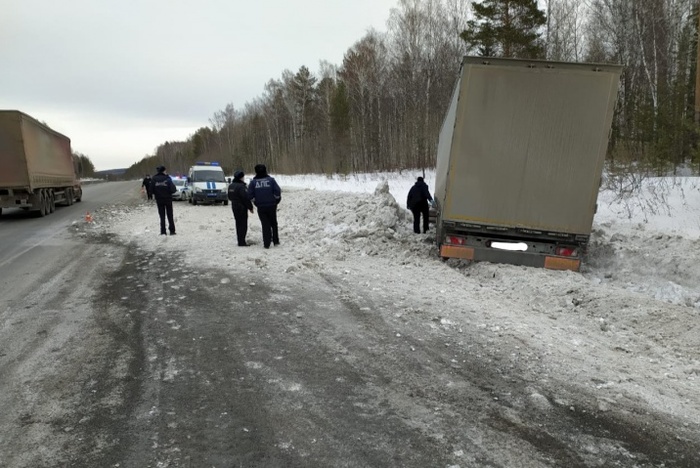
<point x="520" y="160"/>
<point x="37" y="171"/>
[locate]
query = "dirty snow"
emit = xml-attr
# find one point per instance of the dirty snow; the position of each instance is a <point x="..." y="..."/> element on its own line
<point x="626" y="327"/>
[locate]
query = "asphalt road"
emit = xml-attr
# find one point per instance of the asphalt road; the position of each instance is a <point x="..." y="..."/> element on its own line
<point x="49" y="277"/>
<point x="21" y="231"/>
<point x="113" y="356"/>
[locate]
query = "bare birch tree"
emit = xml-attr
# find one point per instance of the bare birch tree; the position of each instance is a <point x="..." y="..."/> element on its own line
<point x="650" y="39"/>
<point x="565" y="30"/>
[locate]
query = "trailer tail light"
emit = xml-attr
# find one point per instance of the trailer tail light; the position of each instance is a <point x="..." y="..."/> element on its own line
<point x="566" y="251"/>
<point x="454" y="240"/>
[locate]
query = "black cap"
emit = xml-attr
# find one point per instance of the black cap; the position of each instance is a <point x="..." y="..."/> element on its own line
<point x="260" y="169"/>
<point x="238" y="175"/>
<point x="160" y="169"/>
<point x="420" y="179"/>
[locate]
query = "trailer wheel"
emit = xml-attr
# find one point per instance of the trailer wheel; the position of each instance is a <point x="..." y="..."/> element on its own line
<point x="42" y="211"/>
<point x="69" y="196"/>
<point x="52" y="201"/>
<point x="47" y="203"/>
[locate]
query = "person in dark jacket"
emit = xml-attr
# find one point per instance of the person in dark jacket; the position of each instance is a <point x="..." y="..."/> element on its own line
<point x="241" y="205"/>
<point x="266" y="194"/>
<point x="146" y="184"/>
<point x="162" y="187"/>
<point x="417" y="202"/>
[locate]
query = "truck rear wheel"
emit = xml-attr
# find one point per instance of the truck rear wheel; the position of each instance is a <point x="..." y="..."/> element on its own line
<point x="52" y="201"/>
<point x="43" y="207"/>
<point x="46" y="203"/>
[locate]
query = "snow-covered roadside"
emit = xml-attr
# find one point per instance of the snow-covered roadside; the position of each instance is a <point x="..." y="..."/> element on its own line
<point x="626" y="328"/>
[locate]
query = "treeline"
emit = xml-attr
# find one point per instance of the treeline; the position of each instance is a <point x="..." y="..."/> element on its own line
<point x="83" y="166"/>
<point x="382" y="107"/>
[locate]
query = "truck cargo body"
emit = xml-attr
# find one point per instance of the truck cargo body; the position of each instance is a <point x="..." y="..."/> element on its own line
<point x="36" y="165"/>
<point x="520" y="160"/>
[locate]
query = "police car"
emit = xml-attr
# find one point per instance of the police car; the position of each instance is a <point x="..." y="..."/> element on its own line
<point x="183" y="188"/>
<point x="208" y="183"/>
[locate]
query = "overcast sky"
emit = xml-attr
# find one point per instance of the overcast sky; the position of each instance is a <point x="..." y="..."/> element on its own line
<point x="120" y="77"/>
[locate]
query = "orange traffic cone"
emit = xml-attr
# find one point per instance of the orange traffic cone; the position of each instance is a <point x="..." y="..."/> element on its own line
<point x="88" y="217"/>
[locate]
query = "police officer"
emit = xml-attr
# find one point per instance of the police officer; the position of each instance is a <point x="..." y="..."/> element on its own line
<point x="266" y="194"/>
<point x="417" y="202"/>
<point x="162" y="187"/>
<point x="146" y="184"/>
<point x="241" y="205"/>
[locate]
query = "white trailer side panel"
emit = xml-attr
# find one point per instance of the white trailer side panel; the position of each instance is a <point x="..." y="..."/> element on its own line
<point x="445" y="146"/>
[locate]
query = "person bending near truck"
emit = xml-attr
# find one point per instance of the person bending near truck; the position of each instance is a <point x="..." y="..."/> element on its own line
<point x="241" y="205"/>
<point x="163" y="188"/>
<point x="417" y="202"/>
<point x="266" y="194"/>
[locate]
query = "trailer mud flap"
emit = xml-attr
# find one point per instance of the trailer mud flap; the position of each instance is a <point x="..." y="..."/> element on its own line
<point x="558" y="263"/>
<point x="452" y="251"/>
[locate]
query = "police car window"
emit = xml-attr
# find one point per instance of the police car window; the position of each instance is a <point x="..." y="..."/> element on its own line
<point x="179" y="182"/>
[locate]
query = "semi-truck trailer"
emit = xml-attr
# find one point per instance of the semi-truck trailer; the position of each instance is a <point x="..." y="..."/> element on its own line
<point x="37" y="171"/>
<point x="520" y="160"/>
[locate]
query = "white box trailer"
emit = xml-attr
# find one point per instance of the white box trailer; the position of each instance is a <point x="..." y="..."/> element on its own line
<point x="520" y="160"/>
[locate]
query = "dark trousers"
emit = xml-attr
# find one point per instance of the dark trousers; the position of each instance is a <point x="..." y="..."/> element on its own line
<point x="149" y="194"/>
<point x="166" y="206"/>
<point x="268" y="219"/>
<point x="421" y="208"/>
<point x="240" y="214"/>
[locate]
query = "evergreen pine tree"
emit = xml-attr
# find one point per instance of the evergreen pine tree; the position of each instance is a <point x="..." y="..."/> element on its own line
<point x="506" y="28"/>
